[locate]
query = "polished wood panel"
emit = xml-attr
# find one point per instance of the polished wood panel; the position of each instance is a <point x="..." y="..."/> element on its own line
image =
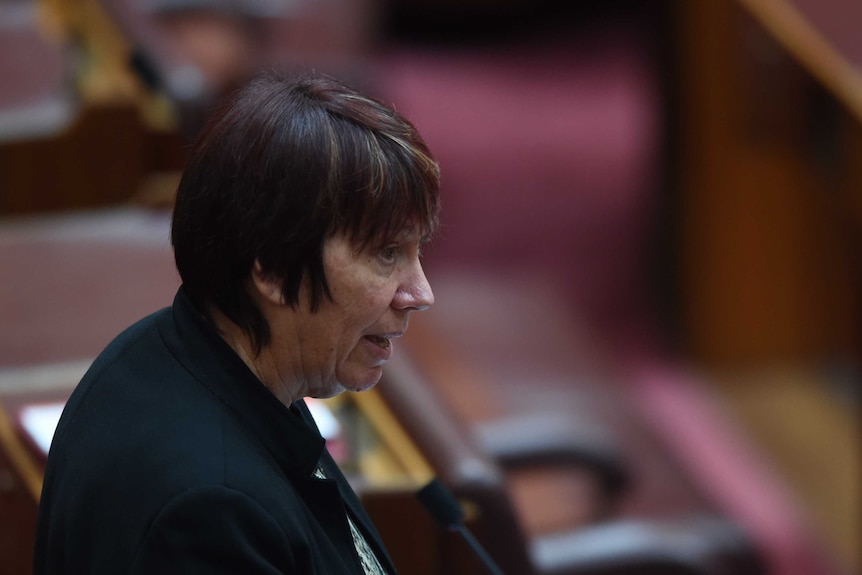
<point x="768" y="237"/>
<point x="21" y="471"/>
<point x="823" y="36"/>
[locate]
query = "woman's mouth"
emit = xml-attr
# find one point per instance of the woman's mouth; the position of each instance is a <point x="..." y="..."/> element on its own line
<point x="380" y="341"/>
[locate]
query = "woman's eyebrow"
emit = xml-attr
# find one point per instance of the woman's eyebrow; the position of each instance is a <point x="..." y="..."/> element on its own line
<point x="408" y="232"/>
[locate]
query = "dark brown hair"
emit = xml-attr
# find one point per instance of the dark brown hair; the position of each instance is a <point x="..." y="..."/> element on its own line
<point x="280" y="166"/>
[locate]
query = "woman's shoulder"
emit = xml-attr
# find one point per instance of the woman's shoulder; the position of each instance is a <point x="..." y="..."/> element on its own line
<point x="140" y="338"/>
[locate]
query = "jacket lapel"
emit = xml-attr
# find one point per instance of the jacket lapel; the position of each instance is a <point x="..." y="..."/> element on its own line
<point x="323" y="500"/>
<point x="351" y="502"/>
<point x="357" y="513"/>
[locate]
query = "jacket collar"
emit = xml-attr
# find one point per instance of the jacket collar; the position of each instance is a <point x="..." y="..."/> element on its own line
<point x="292" y="439"/>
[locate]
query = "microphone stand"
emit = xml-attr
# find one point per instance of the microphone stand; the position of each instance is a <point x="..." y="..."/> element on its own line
<point x="447" y="512"/>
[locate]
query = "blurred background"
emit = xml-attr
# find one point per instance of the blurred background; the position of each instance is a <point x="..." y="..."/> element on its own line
<point x="673" y="186"/>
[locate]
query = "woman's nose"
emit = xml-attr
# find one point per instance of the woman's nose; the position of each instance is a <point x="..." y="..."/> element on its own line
<point x="415" y="293"/>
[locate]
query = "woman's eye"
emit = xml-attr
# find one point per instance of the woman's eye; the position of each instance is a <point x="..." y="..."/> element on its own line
<point x="389" y="253"/>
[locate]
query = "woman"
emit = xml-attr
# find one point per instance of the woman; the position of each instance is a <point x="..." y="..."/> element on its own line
<point x="187" y="447"/>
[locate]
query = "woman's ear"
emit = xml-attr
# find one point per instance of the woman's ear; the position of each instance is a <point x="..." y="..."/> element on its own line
<point x="267" y="285"/>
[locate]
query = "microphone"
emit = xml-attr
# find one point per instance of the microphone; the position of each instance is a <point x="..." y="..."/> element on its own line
<point x="439" y="502"/>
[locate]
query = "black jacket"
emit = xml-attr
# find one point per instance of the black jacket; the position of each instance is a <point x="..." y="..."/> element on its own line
<point x="172" y="457"/>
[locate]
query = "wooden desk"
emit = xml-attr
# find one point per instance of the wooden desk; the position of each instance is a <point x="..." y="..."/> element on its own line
<point x="22" y="464"/>
<point x="17" y="506"/>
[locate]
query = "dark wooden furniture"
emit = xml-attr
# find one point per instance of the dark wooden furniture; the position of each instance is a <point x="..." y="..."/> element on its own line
<point x="22" y="465"/>
<point x="770" y="189"/>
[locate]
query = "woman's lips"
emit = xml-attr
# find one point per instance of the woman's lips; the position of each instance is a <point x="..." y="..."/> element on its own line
<point x="380" y="341"/>
<point x="381" y="344"/>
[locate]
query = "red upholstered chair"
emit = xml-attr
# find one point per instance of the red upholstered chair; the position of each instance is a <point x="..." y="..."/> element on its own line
<point x="72" y="282"/>
<point x="695" y="543"/>
<point x="195" y="51"/>
<point x="36" y="100"/>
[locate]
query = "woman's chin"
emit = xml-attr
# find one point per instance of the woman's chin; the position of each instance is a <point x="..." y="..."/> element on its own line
<point x="367" y="380"/>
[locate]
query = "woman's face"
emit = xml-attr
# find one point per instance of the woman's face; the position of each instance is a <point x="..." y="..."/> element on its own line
<point x="346" y="342"/>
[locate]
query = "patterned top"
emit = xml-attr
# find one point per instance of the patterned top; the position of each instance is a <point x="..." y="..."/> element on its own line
<point x="370" y="563"/>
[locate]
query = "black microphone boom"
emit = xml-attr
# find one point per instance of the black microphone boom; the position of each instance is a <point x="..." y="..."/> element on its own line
<point x="447" y="512"/>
